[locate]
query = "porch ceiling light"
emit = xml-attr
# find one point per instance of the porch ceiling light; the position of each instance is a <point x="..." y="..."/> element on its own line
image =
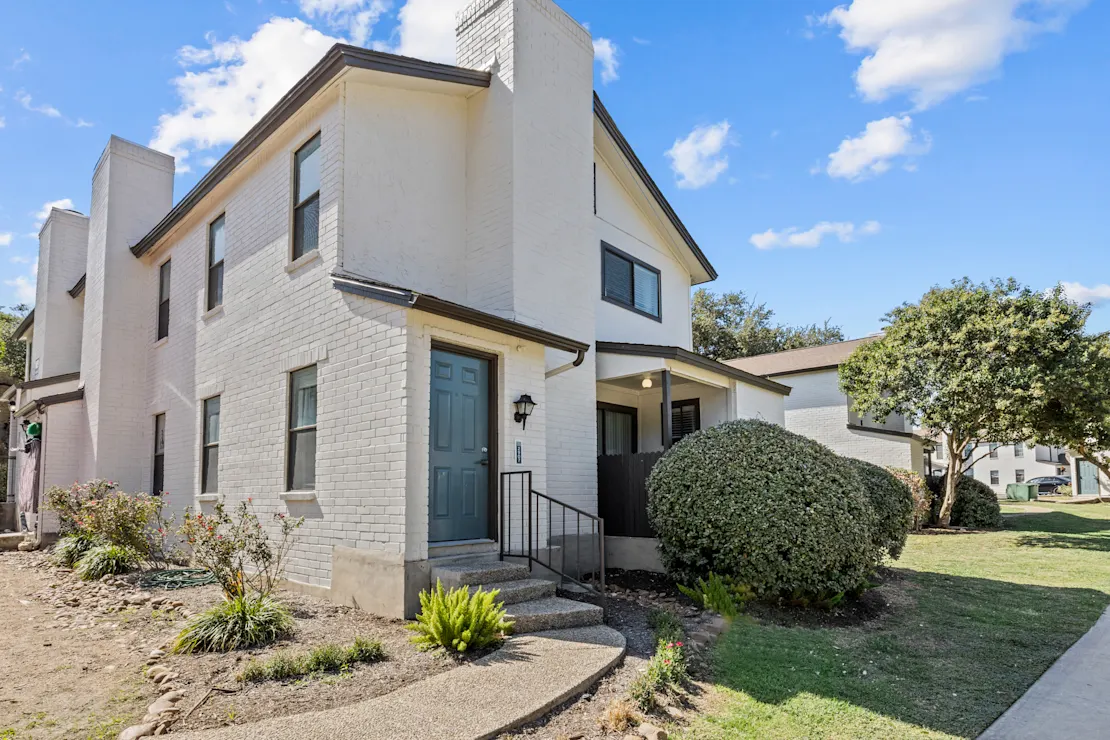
<point x="524" y="406"/>
<point x="645" y="383"/>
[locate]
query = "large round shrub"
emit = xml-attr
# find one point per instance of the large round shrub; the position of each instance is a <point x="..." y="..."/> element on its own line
<point x="892" y="504"/>
<point x="975" y="507"/>
<point x="774" y="510"/>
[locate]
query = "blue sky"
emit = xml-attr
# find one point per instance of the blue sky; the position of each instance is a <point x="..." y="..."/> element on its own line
<point x="833" y="161"/>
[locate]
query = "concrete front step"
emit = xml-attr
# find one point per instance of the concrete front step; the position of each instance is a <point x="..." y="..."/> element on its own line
<point x="552" y="613"/>
<point x="515" y="592"/>
<point x="477" y="573"/>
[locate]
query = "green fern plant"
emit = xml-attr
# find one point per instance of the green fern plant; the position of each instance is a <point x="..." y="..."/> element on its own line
<point x="459" y="620"/>
<point x="718" y="594"/>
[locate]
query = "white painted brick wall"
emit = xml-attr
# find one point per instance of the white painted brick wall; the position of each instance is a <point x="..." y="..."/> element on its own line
<point x="63" y="244"/>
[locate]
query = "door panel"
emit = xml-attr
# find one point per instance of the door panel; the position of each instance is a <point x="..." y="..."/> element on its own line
<point x="460" y="437"/>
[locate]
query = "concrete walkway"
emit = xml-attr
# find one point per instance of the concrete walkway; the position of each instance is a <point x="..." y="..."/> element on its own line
<point x="527" y="677"/>
<point x="1070" y="700"/>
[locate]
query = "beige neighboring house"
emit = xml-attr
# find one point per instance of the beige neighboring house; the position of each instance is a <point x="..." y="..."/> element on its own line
<point x="414" y="304"/>
<point x="818" y="409"/>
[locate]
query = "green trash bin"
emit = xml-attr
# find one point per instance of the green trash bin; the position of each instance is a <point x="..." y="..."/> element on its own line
<point x="1021" y="491"/>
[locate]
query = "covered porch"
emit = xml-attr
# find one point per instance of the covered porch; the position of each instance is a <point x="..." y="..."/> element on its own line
<point x="648" y="398"/>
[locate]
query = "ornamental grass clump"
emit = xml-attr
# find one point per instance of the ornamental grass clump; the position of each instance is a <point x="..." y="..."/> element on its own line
<point x="72" y="548"/>
<point x="327" y="658"/>
<point x="768" y="508"/>
<point x="892" y="505"/>
<point x="236" y="548"/>
<point x="458" y="619"/>
<point x="241" y="622"/>
<point x="104" y="560"/>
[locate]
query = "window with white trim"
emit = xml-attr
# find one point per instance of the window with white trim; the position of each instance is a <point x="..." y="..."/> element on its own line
<point x="306" y="198"/>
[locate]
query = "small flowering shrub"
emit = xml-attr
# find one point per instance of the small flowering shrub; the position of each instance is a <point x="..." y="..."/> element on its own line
<point x="919" y="492"/>
<point x="459" y="620"/>
<point x="98" y="512"/>
<point x="666" y="672"/>
<point x="237" y="549"/>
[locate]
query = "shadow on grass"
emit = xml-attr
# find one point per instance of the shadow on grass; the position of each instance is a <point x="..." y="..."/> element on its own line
<point x="1065" y="542"/>
<point x="951" y="662"/>
<point x="1057" y="522"/>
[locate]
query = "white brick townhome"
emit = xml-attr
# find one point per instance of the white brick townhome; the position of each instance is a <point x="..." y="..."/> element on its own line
<point x="339" y="318"/>
<point x="818" y="409"/>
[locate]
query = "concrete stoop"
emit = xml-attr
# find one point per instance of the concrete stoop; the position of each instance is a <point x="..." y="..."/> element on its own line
<point x="531" y="603"/>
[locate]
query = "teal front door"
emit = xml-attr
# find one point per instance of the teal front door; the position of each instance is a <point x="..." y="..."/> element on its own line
<point x="458" y="495"/>
<point x="1088" y="478"/>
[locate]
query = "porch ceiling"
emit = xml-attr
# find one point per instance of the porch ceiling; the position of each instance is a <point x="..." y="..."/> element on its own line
<point x="628" y="364"/>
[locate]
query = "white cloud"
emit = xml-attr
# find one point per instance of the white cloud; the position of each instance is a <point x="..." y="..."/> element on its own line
<point x="241" y="81"/>
<point x="19" y="259"/>
<point x="6" y="239"/>
<point x="932" y="49"/>
<point x="25" y="285"/>
<point x="20" y="60"/>
<point x="42" y="213"/>
<point x="845" y="231"/>
<point x="874" y="150"/>
<point x="426" y="29"/>
<point x="640" y="41"/>
<point x="3" y="123"/>
<point x="49" y="111"/>
<point x="82" y="123"/>
<point x="356" y="17"/>
<point x="605" y="54"/>
<point x="696" y="159"/>
<point x="1095" y="294"/>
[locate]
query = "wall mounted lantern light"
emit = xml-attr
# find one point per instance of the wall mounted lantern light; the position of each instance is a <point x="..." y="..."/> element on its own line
<point x="524" y="406"/>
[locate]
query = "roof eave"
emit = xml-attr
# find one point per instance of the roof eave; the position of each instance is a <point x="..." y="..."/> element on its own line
<point x="692" y="358"/>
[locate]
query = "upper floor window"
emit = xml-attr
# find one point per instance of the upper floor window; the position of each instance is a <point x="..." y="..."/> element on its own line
<point x="1019" y="451"/>
<point x="210" y="447"/>
<point x="164" y="300"/>
<point x="216" y="245"/>
<point x="629" y="282"/>
<point x="306" y="198"/>
<point x="994" y="450"/>
<point x="302" y="429"/>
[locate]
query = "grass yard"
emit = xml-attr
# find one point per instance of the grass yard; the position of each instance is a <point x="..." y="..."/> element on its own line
<point x="975" y="619"/>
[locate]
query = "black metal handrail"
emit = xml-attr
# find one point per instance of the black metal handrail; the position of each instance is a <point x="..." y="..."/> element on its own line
<point x="544" y="538"/>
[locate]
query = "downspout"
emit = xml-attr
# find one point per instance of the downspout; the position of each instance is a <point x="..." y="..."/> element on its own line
<point x="563" y="368"/>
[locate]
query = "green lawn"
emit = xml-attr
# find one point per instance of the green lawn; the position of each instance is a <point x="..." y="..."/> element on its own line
<point x="977" y="618"/>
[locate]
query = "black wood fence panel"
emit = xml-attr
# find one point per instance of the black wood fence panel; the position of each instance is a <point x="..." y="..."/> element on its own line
<point x="622" y="493"/>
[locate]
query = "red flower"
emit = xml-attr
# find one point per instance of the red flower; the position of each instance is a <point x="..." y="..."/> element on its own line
<point x="679" y="644"/>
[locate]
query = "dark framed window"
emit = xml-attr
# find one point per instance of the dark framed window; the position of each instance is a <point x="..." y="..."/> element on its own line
<point x="617" y="429"/>
<point x="217" y="242"/>
<point x="1019" y="476"/>
<point x="994" y="478"/>
<point x="994" y="450"/>
<point x="158" y="484"/>
<point x="210" y="447"/>
<point x="302" y="429"/>
<point x="685" y="418"/>
<point x="629" y="282"/>
<point x="164" y="300"/>
<point x="306" y="198"/>
<point x="1019" y="451"/>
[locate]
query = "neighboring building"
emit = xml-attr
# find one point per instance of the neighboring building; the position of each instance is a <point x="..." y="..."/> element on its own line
<point x="818" y="409"/>
<point x="998" y="464"/>
<point x="406" y="280"/>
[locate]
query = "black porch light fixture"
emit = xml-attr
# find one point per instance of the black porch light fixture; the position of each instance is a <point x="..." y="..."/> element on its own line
<point x="524" y="406"/>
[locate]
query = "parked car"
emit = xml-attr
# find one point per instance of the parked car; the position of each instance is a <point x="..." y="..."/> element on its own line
<point x="1049" y="483"/>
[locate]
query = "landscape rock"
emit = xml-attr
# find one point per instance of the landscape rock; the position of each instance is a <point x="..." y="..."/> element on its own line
<point x="137" y="731"/>
<point x="651" y="732"/>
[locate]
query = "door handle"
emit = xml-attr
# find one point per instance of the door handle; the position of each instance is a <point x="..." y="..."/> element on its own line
<point x="484" y="460"/>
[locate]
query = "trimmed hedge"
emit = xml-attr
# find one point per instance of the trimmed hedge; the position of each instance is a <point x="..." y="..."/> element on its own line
<point x="975" y="507"/>
<point x="892" y="503"/>
<point x="772" y="509"/>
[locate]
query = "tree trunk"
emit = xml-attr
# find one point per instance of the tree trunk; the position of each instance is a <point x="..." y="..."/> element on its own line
<point x="955" y="470"/>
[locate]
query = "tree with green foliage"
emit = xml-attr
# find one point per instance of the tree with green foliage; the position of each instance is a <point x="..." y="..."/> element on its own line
<point x="972" y="361"/>
<point x="732" y="325"/>
<point x="1074" y="412"/>
<point x="13" y="353"/>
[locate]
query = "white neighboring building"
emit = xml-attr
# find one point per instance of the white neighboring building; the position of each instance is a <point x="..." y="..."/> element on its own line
<point x="818" y="409"/>
<point x="998" y="464"/>
<point x="343" y="315"/>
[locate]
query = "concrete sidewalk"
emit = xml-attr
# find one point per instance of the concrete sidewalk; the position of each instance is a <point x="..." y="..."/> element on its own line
<point x="527" y="677"/>
<point x="1070" y="700"/>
